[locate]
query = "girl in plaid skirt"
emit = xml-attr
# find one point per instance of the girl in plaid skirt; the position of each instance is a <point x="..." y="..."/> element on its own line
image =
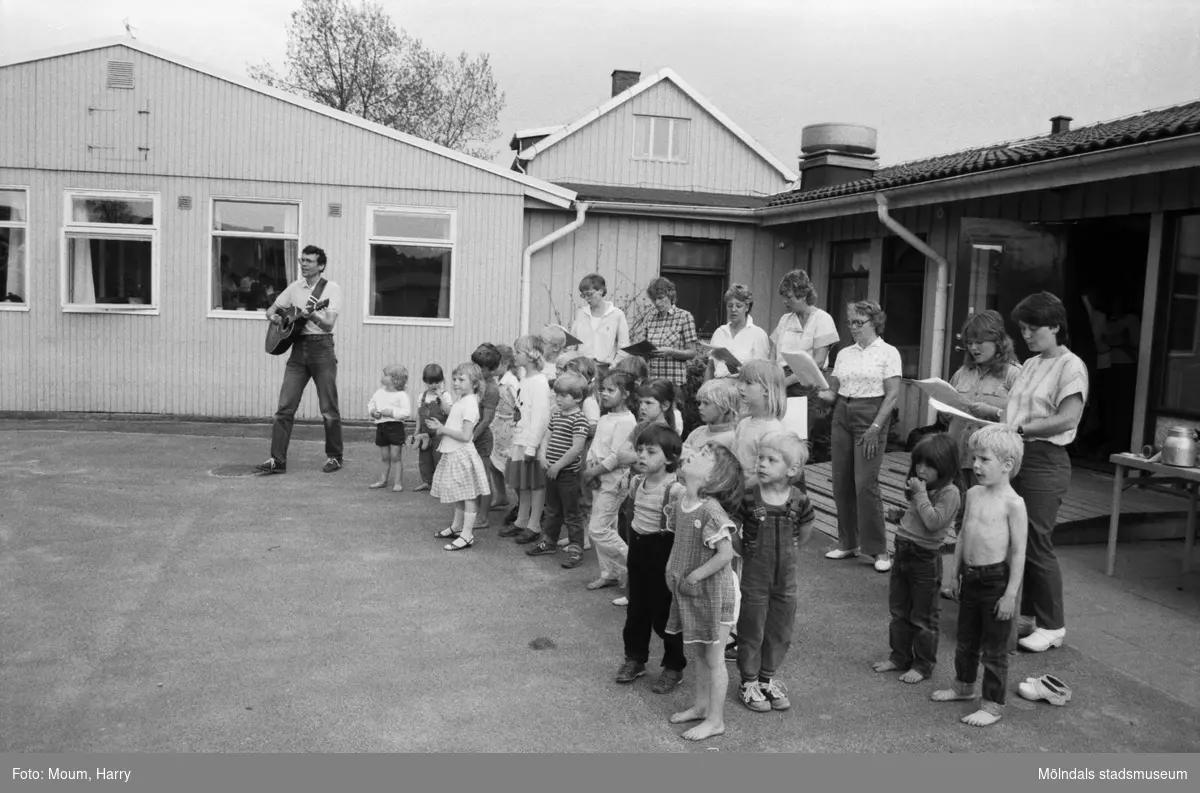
<point x="460" y="477"/>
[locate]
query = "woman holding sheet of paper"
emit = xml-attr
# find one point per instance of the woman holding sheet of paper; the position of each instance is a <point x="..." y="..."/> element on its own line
<point x="864" y="387"/>
<point x="806" y="328"/>
<point x="983" y="381"/>
<point x="745" y="340"/>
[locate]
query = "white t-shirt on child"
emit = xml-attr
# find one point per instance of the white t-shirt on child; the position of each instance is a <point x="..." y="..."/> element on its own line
<point x="465" y="409"/>
<point x="395" y="401"/>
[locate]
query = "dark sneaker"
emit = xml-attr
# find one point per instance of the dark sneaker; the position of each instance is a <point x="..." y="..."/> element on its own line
<point x="667" y="681"/>
<point x="731" y="650"/>
<point x="526" y="536"/>
<point x="574" y="557"/>
<point x="541" y="549"/>
<point x="752" y="697"/>
<point x="331" y="465"/>
<point x="630" y="671"/>
<point x="271" y="466"/>
<point x="776" y="694"/>
<point x="511" y="530"/>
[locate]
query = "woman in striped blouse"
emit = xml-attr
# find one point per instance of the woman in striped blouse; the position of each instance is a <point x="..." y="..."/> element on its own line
<point x="1044" y="405"/>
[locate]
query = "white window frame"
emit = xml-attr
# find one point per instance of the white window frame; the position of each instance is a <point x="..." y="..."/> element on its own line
<point x="24" y="226"/>
<point x="110" y="231"/>
<point x="654" y="120"/>
<point x="220" y="313"/>
<point x="451" y="244"/>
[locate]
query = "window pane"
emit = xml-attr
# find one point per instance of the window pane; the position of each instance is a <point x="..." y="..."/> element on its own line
<point x="410" y="281"/>
<point x="851" y="258"/>
<point x="256" y="216"/>
<point x="103" y="271"/>
<point x="12" y="205"/>
<point x="700" y="293"/>
<point x="413" y="225"/>
<point x="136" y="212"/>
<point x="679" y="139"/>
<point x="662" y="138"/>
<point x="696" y="255"/>
<point x="248" y="274"/>
<point x="12" y="265"/>
<point x="641" y="139"/>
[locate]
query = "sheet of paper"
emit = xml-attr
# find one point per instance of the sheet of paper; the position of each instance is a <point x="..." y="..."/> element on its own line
<point x="572" y="341"/>
<point x="642" y="348"/>
<point x="805" y="369"/>
<point x="942" y="407"/>
<point x="796" y="418"/>
<point x="723" y="355"/>
<point x="943" y="392"/>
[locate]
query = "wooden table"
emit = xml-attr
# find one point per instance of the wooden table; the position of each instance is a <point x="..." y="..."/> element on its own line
<point x="1190" y="477"/>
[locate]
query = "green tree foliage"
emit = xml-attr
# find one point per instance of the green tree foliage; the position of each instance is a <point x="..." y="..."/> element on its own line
<point x="355" y="59"/>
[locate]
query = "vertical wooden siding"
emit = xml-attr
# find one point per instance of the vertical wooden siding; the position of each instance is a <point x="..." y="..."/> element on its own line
<point x="602" y="152"/>
<point x="184" y="362"/>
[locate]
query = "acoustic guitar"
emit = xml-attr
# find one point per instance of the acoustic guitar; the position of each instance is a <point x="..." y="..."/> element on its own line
<point x="280" y="337"/>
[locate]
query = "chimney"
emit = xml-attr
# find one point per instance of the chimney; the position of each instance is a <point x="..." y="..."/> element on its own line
<point x="1060" y="124"/>
<point x="836" y="153"/>
<point x="622" y="79"/>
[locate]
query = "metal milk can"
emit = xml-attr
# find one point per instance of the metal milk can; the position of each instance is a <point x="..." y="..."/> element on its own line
<point x="1179" y="447"/>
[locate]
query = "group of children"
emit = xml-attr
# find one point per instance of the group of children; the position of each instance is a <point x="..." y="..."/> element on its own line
<point x="702" y="533"/>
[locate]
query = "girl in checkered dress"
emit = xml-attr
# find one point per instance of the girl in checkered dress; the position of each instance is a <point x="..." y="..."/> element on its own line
<point x="460" y="477"/>
<point x="704" y="592"/>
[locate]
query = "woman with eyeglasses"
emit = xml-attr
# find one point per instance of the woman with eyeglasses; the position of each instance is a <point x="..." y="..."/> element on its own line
<point x="599" y="325"/>
<point x="864" y="387"/>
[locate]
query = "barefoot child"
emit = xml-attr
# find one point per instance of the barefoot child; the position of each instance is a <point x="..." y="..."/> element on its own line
<point x="434" y="403"/>
<point x="460" y="478"/>
<point x="989" y="560"/>
<point x="704" y="591"/>
<point x="916" y="575"/>
<point x="532" y="417"/>
<point x="560" y="454"/>
<point x="777" y="518"/>
<point x="764" y="398"/>
<point x="390" y="406"/>
<point x="651" y="498"/>
<point x="606" y="473"/>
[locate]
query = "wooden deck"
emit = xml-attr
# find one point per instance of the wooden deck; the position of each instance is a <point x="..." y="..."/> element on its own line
<point x="1088" y="500"/>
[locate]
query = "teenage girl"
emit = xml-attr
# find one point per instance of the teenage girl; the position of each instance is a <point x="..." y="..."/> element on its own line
<point x="704" y="591"/>
<point x="460" y="477"/>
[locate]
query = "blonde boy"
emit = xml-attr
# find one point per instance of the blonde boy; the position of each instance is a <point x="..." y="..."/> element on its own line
<point x="989" y="561"/>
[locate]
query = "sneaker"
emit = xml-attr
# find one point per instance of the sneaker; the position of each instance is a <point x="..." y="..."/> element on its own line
<point x="1042" y="640"/>
<point x="731" y="651"/>
<point x="753" y="697"/>
<point x="621" y="601"/>
<point x="271" y="466"/>
<point x="883" y="563"/>
<point x="776" y="694"/>
<point x="574" y="557"/>
<point x="667" y="681"/>
<point x="331" y="465"/>
<point x="541" y="549"/>
<point x="526" y="536"/>
<point x="511" y="530"/>
<point x="630" y="671"/>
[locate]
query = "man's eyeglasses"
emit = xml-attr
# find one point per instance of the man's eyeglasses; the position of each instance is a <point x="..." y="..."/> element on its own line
<point x="306" y="260"/>
<point x="858" y="323"/>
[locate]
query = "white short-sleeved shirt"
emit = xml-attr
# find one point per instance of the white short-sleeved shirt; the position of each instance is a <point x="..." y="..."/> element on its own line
<point x="860" y="371"/>
<point x="465" y="409"/>
<point x="792" y="336"/>
<point x="297" y="294"/>
<point x="1041" y="387"/>
<point x="750" y="344"/>
<point x="604" y="336"/>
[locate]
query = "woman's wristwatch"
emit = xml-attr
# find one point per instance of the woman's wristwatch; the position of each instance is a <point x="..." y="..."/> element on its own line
<point x="1021" y="430"/>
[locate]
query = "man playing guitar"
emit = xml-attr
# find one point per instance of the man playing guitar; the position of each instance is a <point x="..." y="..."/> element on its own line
<point x="312" y="358"/>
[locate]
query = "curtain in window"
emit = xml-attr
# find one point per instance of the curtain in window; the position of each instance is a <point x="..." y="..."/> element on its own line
<point x="15" y="266"/>
<point x="289" y="259"/>
<point x="83" y="290"/>
<point x="444" y="292"/>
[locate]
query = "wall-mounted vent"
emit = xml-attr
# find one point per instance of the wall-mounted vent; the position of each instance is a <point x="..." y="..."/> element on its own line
<point x="120" y="74"/>
<point x="184" y="202"/>
<point x="335" y="210"/>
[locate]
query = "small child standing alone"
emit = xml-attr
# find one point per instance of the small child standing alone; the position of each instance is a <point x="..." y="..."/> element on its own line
<point x="390" y="406"/>
<point x="916" y="574"/>
<point x="777" y="518"/>
<point x="989" y="562"/>
<point x="434" y="403"/>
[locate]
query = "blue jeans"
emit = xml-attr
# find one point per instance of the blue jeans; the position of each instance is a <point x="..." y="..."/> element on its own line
<point x="313" y="357"/>
<point x="980" y="634"/>
<point x="562" y="509"/>
<point x="769" y="592"/>
<point x="913" y="601"/>
<point x="856" y="479"/>
<point x="1043" y="481"/>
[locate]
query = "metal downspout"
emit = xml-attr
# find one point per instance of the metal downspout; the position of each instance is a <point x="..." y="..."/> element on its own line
<point x="941" y="283"/>
<point x="527" y="261"/>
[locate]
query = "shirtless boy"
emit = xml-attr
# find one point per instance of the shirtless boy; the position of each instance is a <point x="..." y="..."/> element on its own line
<point x="989" y="560"/>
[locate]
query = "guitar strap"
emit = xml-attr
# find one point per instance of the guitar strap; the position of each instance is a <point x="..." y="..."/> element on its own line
<point x="318" y="289"/>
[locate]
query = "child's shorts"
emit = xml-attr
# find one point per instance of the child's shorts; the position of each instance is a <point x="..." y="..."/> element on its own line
<point x="389" y="433"/>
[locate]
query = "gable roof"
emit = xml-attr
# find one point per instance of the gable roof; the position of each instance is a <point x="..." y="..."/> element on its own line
<point x="641" y="86"/>
<point x="537" y="188"/>
<point x="1148" y="125"/>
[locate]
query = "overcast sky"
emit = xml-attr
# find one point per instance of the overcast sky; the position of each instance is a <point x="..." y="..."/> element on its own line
<point x="932" y="76"/>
